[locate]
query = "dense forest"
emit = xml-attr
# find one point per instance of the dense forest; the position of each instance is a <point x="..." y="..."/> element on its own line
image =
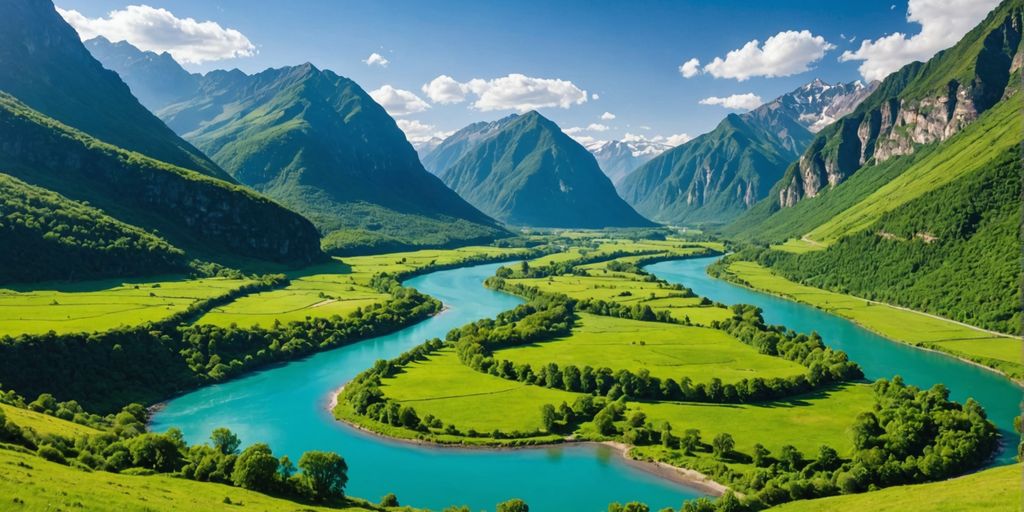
<point x="57" y="238"/>
<point x="954" y="252"/>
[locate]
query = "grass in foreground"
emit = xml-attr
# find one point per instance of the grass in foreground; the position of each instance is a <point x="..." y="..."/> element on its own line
<point x="996" y="489"/>
<point x="1002" y="352"/>
<point x="459" y="395"/>
<point x="31" y="484"/>
<point x="666" y="350"/>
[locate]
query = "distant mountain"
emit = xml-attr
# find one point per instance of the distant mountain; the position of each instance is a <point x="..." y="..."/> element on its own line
<point x="44" y="64"/>
<point x="451" y="149"/>
<point x="524" y="171"/>
<point x="818" y="104"/>
<point x="425" y="147"/>
<point x="157" y="80"/>
<point x="618" y="158"/>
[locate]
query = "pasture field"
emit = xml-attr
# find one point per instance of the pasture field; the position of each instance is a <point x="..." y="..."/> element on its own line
<point x="666" y="350"/>
<point x="798" y="246"/>
<point x="1001" y="351"/>
<point x="102" y="305"/>
<point x="45" y="424"/>
<point x="459" y="395"/>
<point x="985" y="491"/>
<point x="364" y="267"/>
<point x="42" y="486"/>
<point x="805" y="421"/>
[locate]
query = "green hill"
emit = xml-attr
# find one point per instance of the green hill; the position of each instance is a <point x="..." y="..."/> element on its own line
<point x="452" y="148"/>
<point x="62" y="239"/>
<point x="314" y="141"/>
<point x="44" y="64"/>
<point x="206" y="216"/>
<point x="527" y="172"/>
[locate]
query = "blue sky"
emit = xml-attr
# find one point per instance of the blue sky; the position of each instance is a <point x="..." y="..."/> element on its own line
<point x="625" y="55"/>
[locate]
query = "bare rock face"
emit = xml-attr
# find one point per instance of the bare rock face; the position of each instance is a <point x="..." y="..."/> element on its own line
<point x="898" y="125"/>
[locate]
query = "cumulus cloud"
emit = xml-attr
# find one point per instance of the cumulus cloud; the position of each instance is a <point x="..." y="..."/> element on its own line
<point x="690" y="68"/>
<point x="158" y="30"/>
<point x="748" y="101"/>
<point x="417" y="132"/>
<point x="943" y="23"/>
<point x="398" y="102"/>
<point x="607" y="116"/>
<point x="376" y="59"/>
<point x="513" y="92"/>
<point x="784" y="54"/>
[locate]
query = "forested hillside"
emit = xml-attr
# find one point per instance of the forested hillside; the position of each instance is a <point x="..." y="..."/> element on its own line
<point x="48" y="236"/>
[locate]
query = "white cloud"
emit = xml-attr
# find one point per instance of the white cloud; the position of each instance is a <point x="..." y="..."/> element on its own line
<point x="398" y="102"/>
<point x="573" y="130"/>
<point x="597" y="127"/>
<point x="417" y="132"/>
<point x="748" y="101"/>
<point x="667" y="140"/>
<point x="376" y="59"/>
<point x="943" y="23"/>
<point x="445" y="89"/>
<point x="595" y="96"/>
<point x="158" y="30"/>
<point x="592" y="127"/>
<point x="513" y="92"/>
<point x="784" y="54"/>
<point x="607" y="116"/>
<point x="690" y="68"/>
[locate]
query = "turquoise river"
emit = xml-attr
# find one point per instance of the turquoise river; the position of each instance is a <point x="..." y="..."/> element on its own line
<point x="286" y="407"/>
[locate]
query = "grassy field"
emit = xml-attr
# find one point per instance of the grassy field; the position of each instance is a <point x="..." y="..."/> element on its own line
<point x="798" y="246"/>
<point x="401" y="262"/>
<point x="911" y="327"/>
<point x="806" y="421"/>
<point x="44" y="424"/>
<point x="101" y="305"/>
<point x="666" y="350"/>
<point x="996" y="489"/>
<point x="459" y="395"/>
<point x="41" y="486"/>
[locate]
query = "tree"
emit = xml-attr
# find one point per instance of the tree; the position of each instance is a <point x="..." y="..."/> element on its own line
<point x="513" y="505"/>
<point x="159" y="452"/>
<point x="690" y="441"/>
<point x="791" y="457"/>
<point x="761" y="455"/>
<point x="548" y="417"/>
<point x="389" y="500"/>
<point x="255" y="468"/>
<point x="722" y="445"/>
<point x="285" y="467"/>
<point x="225" y="441"/>
<point x="325" y="473"/>
<point x="828" y="459"/>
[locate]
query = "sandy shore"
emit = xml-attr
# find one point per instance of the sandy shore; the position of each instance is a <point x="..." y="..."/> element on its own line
<point x="688" y="477"/>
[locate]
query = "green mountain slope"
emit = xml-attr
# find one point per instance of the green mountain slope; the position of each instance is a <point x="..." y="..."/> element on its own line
<point x="206" y="216"/>
<point x="319" y="144"/>
<point x="44" y="64"/>
<point x="451" y="149"/>
<point x="919" y="105"/>
<point x="530" y="173"/>
<point x="57" y="238"/>
<point x="719" y="175"/>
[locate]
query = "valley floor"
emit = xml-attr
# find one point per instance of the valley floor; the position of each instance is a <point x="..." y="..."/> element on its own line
<point x="996" y="351"/>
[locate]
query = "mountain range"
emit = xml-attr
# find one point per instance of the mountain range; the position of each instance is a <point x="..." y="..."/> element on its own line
<point x="74" y="135"/>
<point x="523" y="170"/>
<point x="316" y="142"/>
<point x="716" y="176"/>
<point x="618" y="158"/>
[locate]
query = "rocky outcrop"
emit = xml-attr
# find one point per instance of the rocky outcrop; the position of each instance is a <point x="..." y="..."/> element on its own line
<point x="899" y="117"/>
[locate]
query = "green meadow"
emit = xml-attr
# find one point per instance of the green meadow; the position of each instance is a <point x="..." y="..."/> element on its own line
<point x="444" y="387"/>
<point x="102" y="305"/>
<point x="42" y="486"/>
<point x="991" y="490"/>
<point x="45" y="424"/>
<point x="999" y="351"/>
<point x="666" y="350"/>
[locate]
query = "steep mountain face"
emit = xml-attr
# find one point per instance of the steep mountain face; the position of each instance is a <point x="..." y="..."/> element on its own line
<point x="918" y="105"/>
<point x="819" y="104"/>
<point x="618" y="158"/>
<point x="716" y="176"/>
<point x="157" y="80"/>
<point x="459" y="143"/>
<point x="529" y="173"/>
<point x="205" y="216"/>
<point x="318" y="143"/>
<point x="45" y="65"/>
